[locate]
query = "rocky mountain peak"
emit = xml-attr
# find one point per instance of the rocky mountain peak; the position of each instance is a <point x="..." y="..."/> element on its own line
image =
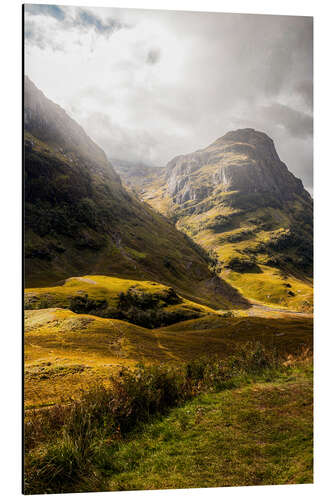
<point x="242" y="160"/>
<point x="247" y="135"/>
<point x="250" y="141"/>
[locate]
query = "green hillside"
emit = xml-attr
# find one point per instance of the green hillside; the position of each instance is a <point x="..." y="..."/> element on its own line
<point x="239" y="201"/>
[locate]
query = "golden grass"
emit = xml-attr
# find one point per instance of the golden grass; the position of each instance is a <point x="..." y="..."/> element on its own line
<point x="67" y="352"/>
<point x="97" y="287"/>
<point x="268" y="287"/>
<point x="60" y="338"/>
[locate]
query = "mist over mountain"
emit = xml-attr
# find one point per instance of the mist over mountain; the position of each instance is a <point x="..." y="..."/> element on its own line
<point x="51" y="124"/>
<point x="136" y="174"/>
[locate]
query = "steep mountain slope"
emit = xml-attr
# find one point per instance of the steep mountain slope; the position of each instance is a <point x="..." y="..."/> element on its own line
<point x="80" y="220"/>
<point x="239" y="200"/>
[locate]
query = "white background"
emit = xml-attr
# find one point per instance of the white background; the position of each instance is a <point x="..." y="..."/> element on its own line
<point x="10" y="260"/>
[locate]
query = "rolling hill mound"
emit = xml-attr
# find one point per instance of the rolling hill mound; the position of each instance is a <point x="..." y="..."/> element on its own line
<point x="66" y="351"/>
<point x="143" y="303"/>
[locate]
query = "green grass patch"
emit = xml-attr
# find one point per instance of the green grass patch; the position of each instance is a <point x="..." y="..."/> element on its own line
<point x="242" y="420"/>
<point x="255" y="435"/>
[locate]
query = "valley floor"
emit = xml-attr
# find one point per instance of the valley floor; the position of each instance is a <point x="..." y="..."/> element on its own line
<point x="235" y="389"/>
<point x="66" y="352"/>
<point x="257" y="432"/>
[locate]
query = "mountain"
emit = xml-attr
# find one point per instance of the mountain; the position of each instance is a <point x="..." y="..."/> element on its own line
<point x="80" y="220"/>
<point x="136" y="175"/>
<point x="239" y="201"/>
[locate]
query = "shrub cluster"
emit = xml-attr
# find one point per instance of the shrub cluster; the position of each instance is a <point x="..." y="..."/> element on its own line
<point x="81" y="304"/>
<point x="155" y="318"/>
<point x="243" y="264"/>
<point x="147" y="309"/>
<point x="135" y="306"/>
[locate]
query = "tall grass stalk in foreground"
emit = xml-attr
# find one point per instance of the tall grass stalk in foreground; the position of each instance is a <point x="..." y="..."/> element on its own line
<point x="63" y="443"/>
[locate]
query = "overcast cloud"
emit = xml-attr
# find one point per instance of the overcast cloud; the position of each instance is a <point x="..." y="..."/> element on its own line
<point x="149" y="85"/>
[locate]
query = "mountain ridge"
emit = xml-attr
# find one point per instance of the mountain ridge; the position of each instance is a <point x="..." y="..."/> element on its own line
<point x="237" y="150"/>
<point x="239" y="201"/>
<point x="50" y="123"/>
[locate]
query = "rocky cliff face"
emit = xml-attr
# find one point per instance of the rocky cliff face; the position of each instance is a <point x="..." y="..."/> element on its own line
<point x="242" y="160"/>
<point x="238" y="200"/>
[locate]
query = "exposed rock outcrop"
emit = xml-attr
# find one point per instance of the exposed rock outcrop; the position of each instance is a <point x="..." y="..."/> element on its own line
<point x="242" y="160"/>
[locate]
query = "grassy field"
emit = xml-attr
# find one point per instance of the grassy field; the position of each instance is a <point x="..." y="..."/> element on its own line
<point x="245" y="420"/>
<point x="255" y="435"/>
<point x="270" y="287"/>
<point x="221" y="399"/>
<point x="66" y="352"/>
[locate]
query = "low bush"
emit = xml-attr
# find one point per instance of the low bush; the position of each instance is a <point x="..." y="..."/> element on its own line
<point x="148" y="309"/>
<point x="81" y="304"/>
<point x="243" y="265"/>
<point x="146" y="390"/>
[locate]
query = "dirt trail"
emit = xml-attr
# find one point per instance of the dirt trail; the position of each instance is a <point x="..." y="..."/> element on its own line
<point x="163" y="348"/>
<point x="257" y="307"/>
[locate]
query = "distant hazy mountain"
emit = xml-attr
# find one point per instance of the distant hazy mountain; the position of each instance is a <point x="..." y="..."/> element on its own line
<point x="136" y="175"/>
<point x="80" y="220"/>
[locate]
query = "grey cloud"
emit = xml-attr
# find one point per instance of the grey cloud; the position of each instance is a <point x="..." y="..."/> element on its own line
<point x="305" y="90"/>
<point x="37" y="35"/>
<point x="85" y="19"/>
<point x="46" y="10"/>
<point x="225" y="71"/>
<point x="298" y="155"/>
<point x="153" y="56"/>
<point x="239" y="69"/>
<point x="297" y="123"/>
<point x="121" y="142"/>
<point x="82" y="20"/>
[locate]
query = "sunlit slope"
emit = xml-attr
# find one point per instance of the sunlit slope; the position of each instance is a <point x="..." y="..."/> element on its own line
<point x="241" y="203"/>
<point x="65" y="351"/>
<point x="117" y="298"/>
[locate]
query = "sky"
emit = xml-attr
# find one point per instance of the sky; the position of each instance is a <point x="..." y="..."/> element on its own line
<point x="148" y="85"/>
